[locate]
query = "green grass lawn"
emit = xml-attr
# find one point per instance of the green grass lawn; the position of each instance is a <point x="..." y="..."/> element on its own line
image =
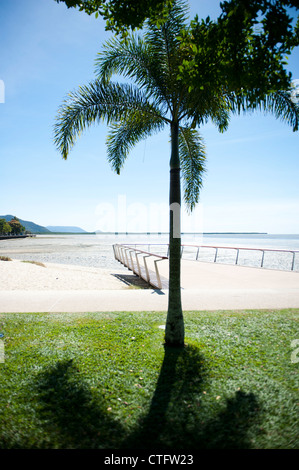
<point x="106" y="381"/>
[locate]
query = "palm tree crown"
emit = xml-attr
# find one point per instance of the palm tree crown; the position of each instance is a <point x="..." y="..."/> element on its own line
<point x="154" y="99"/>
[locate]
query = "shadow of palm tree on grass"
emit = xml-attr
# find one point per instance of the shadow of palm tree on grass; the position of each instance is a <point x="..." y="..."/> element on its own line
<point x="74" y="416"/>
<point x="179" y="419"/>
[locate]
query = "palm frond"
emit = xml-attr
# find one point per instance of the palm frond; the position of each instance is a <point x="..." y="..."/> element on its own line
<point x="192" y="158"/>
<point x="127" y="58"/>
<point x="283" y="107"/>
<point x="281" y="104"/>
<point x="170" y="30"/>
<point x="128" y="132"/>
<point x="165" y="48"/>
<point x="91" y="104"/>
<point x="136" y="60"/>
<point x="151" y="61"/>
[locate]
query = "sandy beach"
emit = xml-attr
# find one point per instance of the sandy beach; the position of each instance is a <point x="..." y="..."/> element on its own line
<point x="20" y="275"/>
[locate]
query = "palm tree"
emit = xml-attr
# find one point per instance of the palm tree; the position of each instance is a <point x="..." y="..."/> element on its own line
<point x="155" y="99"/>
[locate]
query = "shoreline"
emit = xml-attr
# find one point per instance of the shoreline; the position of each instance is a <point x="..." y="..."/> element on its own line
<point x="97" y="250"/>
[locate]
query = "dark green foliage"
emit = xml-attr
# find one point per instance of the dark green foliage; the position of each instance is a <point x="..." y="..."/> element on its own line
<point x="244" y="52"/>
<point x="5" y="228"/>
<point x="16" y="227"/>
<point x="121" y="15"/>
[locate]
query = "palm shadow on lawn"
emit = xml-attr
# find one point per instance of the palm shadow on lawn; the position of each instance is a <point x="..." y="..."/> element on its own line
<point x="74" y="417"/>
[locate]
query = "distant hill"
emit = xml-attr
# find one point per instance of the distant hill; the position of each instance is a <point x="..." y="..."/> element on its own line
<point x="58" y="228"/>
<point x="29" y="226"/>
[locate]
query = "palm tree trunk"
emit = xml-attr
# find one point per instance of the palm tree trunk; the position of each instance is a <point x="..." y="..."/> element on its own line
<point x="174" y="331"/>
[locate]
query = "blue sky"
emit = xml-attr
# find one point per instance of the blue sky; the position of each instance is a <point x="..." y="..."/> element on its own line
<point x="46" y="51"/>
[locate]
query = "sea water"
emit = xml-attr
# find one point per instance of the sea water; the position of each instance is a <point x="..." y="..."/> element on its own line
<point x="97" y="250"/>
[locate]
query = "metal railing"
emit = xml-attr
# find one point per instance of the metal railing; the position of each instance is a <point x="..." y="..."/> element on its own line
<point x="216" y="257"/>
<point x="136" y="260"/>
<point x="238" y="249"/>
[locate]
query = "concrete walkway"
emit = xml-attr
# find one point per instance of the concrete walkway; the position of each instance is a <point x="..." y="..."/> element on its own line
<point x="205" y="286"/>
